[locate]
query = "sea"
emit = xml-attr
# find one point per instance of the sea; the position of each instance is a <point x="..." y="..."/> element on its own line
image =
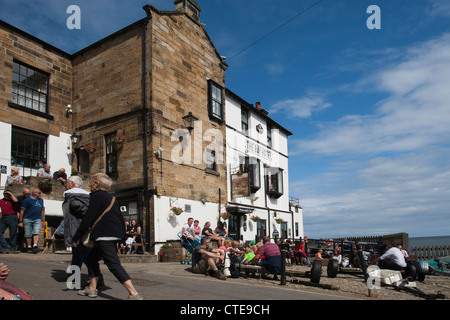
<point x="420" y="242"/>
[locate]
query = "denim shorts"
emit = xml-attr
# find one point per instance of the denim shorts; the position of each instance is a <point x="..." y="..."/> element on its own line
<point x="31" y="227"/>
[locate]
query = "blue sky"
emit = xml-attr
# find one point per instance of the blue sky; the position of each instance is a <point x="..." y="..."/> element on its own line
<point x="369" y="109"/>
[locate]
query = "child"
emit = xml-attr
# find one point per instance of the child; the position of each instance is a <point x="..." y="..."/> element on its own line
<point x="318" y="255"/>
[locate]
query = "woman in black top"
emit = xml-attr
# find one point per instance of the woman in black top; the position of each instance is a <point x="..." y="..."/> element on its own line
<point x="108" y="231"/>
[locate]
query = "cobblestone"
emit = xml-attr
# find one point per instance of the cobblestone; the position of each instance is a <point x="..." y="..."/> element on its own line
<point x="354" y="284"/>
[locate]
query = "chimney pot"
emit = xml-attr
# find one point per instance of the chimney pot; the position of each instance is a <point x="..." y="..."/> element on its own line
<point x="258" y="106"/>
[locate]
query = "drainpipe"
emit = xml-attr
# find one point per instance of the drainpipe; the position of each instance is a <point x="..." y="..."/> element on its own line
<point x="145" y="117"/>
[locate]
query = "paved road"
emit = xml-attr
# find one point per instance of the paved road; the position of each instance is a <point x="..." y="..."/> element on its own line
<point x="44" y="277"/>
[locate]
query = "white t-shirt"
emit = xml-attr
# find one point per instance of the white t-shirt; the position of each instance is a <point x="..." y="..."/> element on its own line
<point x="395" y="255"/>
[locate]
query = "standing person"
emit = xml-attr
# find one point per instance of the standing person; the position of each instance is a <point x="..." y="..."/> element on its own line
<point x="45" y="172"/>
<point x="26" y="193"/>
<point x="8" y="220"/>
<point x="76" y="202"/>
<point x="32" y="218"/>
<point x="108" y="231"/>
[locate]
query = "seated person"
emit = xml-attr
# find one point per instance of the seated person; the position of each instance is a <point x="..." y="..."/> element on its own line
<point x="188" y="230"/>
<point x="272" y="257"/>
<point x="205" y="258"/>
<point x="207" y="232"/>
<point x="338" y="257"/>
<point x="392" y="259"/>
<point x="249" y="255"/>
<point x="236" y="250"/>
<point x="318" y="255"/>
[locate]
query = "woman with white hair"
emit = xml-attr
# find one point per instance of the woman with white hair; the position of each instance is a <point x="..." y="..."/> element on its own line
<point x="75" y="205"/>
<point x="14" y="178"/>
<point x="106" y="233"/>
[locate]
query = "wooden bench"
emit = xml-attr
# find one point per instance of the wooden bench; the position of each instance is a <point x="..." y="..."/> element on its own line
<point x="139" y="243"/>
<point x="50" y="241"/>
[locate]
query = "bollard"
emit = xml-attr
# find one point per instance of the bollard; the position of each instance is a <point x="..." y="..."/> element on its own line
<point x="283" y="267"/>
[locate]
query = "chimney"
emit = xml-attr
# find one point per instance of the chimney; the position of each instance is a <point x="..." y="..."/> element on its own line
<point x="258" y="106"/>
<point x="190" y="7"/>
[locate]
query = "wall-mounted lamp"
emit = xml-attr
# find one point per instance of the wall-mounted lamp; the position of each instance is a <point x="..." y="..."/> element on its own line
<point x="189" y="121"/>
<point x="75" y="138"/>
<point x="68" y="110"/>
<point x="158" y="152"/>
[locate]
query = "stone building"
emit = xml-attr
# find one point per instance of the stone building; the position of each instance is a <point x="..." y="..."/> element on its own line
<point x="145" y="105"/>
<point x="121" y="106"/>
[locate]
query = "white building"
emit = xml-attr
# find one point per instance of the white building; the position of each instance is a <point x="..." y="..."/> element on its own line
<point x="258" y="174"/>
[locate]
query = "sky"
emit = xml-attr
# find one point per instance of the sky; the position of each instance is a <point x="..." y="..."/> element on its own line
<point x="369" y="108"/>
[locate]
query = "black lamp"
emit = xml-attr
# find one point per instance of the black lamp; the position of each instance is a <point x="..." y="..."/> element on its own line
<point x="189" y="121"/>
<point x="75" y="138"/>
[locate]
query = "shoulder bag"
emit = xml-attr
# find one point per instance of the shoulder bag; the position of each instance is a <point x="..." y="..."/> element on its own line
<point x="85" y="240"/>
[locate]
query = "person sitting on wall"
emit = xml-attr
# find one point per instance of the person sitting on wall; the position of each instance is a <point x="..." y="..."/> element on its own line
<point x="207" y="232"/>
<point x="205" y="258"/>
<point x="61" y="176"/>
<point x="45" y="172"/>
<point x="188" y="230"/>
<point x="392" y="259"/>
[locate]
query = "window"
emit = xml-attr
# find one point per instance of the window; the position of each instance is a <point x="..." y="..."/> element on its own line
<point x="111" y="154"/>
<point x="244" y="120"/>
<point x="274" y="182"/>
<point x="30" y="87"/>
<point x="252" y="166"/>
<point x="211" y="160"/>
<point x="28" y="151"/>
<point x="215" y="101"/>
<point x="284" y="230"/>
<point x="269" y="135"/>
<point x="261" y="228"/>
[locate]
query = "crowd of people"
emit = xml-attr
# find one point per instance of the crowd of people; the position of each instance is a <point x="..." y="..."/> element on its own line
<point x="24" y="216"/>
<point x="96" y="214"/>
<point x="219" y="261"/>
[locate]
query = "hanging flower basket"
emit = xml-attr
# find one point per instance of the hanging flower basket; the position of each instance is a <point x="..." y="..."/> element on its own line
<point x="46" y="186"/>
<point x="90" y="148"/>
<point x="225" y="215"/>
<point x="176" y="211"/>
<point x="255" y="218"/>
<point x="120" y="139"/>
<point x="279" y="220"/>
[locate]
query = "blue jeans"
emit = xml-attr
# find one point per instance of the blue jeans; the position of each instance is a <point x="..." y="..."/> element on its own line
<point x="11" y="222"/>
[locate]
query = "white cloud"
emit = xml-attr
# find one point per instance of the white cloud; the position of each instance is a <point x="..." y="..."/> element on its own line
<point x="302" y="107"/>
<point x="415" y="114"/>
<point x="397" y="159"/>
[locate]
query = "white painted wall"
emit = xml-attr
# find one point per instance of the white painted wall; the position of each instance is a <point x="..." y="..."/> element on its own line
<point x="59" y="156"/>
<point x="168" y="225"/>
<point x="275" y="156"/>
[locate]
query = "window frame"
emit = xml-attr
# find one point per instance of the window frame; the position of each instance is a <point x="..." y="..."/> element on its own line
<point x="244" y="120"/>
<point x="251" y="166"/>
<point x="278" y="187"/>
<point x="35" y="91"/>
<point x="40" y="158"/>
<point x="111" y="159"/>
<point x="210" y="154"/>
<point x="212" y="101"/>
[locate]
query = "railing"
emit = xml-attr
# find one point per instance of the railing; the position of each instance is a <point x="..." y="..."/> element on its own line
<point x="429" y="252"/>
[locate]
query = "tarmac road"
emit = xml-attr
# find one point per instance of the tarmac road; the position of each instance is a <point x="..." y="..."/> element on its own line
<point x="44" y="277"/>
